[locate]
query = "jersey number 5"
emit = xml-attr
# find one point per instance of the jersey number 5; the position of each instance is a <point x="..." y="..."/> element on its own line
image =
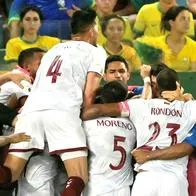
<point x="119" y="148"/>
<point x="54" y="69"/>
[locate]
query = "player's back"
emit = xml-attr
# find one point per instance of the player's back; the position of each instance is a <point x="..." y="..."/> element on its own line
<point x="61" y="77"/>
<point x="110" y="142"/>
<point x="162" y="124"/>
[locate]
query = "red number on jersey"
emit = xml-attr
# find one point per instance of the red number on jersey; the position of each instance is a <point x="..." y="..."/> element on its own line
<point x="155" y="134"/>
<point x="156" y="131"/>
<point x="121" y="150"/>
<point x="174" y="127"/>
<point x="54" y="69"/>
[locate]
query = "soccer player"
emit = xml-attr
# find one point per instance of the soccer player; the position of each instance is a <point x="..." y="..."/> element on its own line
<point x="117" y="68"/>
<point x="174" y="152"/>
<point x="28" y="63"/>
<point x="67" y="78"/>
<point x="161" y="124"/>
<point x="110" y="141"/>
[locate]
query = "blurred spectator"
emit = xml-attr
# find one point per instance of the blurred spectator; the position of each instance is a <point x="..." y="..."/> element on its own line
<point x="192" y="7"/>
<point x="30" y="21"/>
<point x="105" y="8"/>
<point x="2" y="8"/>
<point x="133" y="6"/>
<point x="3" y="19"/>
<point x="178" y="49"/>
<point x="128" y="7"/>
<point x="55" y="12"/>
<point x="148" y="20"/>
<point x="113" y="27"/>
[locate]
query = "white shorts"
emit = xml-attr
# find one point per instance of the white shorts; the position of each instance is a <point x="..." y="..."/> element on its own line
<point x="163" y="183"/>
<point x="62" y="131"/>
<point x="39" y="176"/>
<point x="124" y="191"/>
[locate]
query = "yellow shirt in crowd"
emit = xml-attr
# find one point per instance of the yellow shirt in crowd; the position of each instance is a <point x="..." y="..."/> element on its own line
<point x="16" y="45"/>
<point x="129" y="54"/>
<point x="128" y="35"/>
<point x="179" y="62"/>
<point x="148" y="21"/>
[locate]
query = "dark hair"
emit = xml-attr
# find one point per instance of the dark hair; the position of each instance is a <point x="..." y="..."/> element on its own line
<point x="171" y="14"/>
<point x="166" y="80"/>
<point x="114" y="91"/>
<point x="156" y="68"/>
<point x="31" y="8"/>
<point x="26" y="55"/>
<point x="106" y="20"/>
<point x="82" y="20"/>
<point x="114" y="58"/>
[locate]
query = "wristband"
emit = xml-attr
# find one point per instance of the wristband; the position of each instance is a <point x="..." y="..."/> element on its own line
<point x="147" y="80"/>
<point x="124" y="108"/>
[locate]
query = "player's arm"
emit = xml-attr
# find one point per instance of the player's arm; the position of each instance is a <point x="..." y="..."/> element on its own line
<point x="145" y="74"/>
<point x="14" y="138"/>
<point x="98" y="110"/>
<point x="91" y="86"/>
<point x="172" y="152"/>
<point x="14" y="77"/>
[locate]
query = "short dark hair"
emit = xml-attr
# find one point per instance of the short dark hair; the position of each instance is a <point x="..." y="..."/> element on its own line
<point x="113" y="58"/>
<point x="114" y="91"/>
<point x="31" y="8"/>
<point x="171" y="14"/>
<point x="166" y="80"/>
<point x="26" y="55"/>
<point x="156" y="68"/>
<point x="106" y="20"/>
<point x="82" y="20"/>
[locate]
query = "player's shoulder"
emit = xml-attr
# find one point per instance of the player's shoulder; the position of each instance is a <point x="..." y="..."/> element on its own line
<point x="81" y="45"/>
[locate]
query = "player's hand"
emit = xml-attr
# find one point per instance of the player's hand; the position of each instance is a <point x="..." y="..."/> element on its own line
<point x="188" y="97"/>
<point x="174" y="95"/>
<point x="141" y="156"/>
<point x="19" y="137"/>
<point x="18" y="77"/>
<point x="145" y="71"/>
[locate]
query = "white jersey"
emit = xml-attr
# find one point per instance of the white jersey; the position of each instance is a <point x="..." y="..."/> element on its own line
<point x="160" y="124"/>
<point x="61" y="77"/>
<point x="110" y="142"/>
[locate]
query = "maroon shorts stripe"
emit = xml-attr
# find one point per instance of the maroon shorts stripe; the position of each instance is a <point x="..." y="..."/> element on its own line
<point x="68" y="150"/>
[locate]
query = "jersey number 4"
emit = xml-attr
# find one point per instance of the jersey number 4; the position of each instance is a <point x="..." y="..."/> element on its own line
<point x="119" y="148"/>
<point x="54" y="69"/>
